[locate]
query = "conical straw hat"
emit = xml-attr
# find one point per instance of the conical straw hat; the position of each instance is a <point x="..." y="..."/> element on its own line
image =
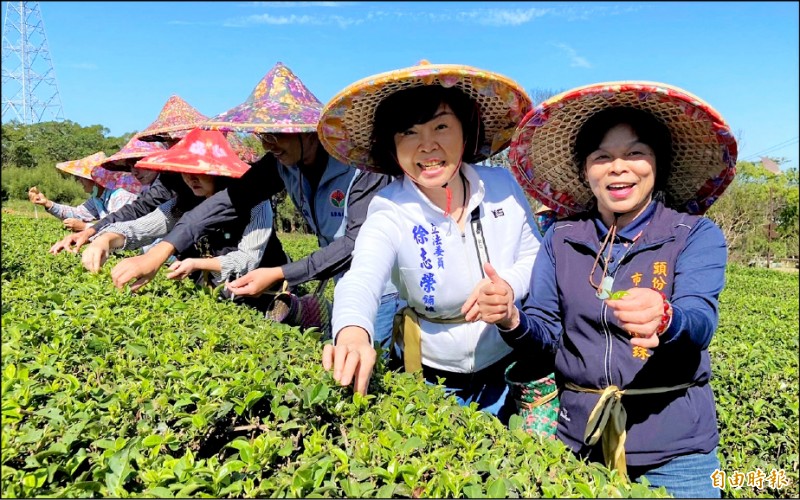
<point x="345" y="128"/>
<point x="176" y="119"/>
<point x="202" y="152"/>
<point x="130" y="153"/>
<point x="704" y="149"/>
<point x="280" y="103"/>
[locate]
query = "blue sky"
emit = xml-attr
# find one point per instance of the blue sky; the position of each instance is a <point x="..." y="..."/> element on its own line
<point x="117" y="63"/>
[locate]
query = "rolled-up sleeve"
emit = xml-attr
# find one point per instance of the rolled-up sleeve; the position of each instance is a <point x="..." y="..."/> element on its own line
<point x="251" y="247"/>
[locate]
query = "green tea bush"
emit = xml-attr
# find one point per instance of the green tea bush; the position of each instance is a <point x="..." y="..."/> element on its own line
<point x="58" y="187"/>
<point x="173" y="393"/>
<point x="755" y="367"/>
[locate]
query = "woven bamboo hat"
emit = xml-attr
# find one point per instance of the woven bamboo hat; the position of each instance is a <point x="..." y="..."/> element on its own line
<point x="130" y="153"/>
<point x="174" y="121"/>
<point x="280" y="103"/>
<point x="704" y="149"/>
<point x="345" y="128"/>
<point x="201" y="152"/>
<point x="82" y="167"/>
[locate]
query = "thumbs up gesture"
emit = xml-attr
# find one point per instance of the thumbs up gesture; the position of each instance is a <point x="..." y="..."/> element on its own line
<point x="492" y="301"/>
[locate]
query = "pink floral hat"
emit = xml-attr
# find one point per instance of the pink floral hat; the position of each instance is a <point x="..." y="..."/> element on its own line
<point x="112" y="180"/>
<point x="280" y="103"/>
<point x="84" y="166"/>
<point x="704" y="149"/>
<point x="130" y="153"/>
<point x="345" y="127"/>
<point x="176" y="119"/>
<point x="202" y="152"/>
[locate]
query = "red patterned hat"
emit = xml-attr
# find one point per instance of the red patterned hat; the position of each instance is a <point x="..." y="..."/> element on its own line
<point x="176" y="119"/>
<point x="202" y="152"/>
<point x="704" y="149"/>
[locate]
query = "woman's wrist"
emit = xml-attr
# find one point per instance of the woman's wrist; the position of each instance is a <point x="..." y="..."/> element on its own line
<point x="666" y="316"/>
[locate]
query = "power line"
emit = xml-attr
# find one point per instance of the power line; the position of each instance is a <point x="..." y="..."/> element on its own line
<point x="776" y="147"/>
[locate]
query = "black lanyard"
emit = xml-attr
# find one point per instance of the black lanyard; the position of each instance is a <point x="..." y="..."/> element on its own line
<point x="480" y="243"/>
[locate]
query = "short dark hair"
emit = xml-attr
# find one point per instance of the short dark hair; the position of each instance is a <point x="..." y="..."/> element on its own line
<point x="408" y="107"/>
<point x="648" y="129"/>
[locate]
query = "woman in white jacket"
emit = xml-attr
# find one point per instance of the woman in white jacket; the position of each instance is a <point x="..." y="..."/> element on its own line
<point x="440" y="232"/>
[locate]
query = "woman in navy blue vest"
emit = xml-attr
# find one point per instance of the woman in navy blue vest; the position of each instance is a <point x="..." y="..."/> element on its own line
<point x="625" y="290"/>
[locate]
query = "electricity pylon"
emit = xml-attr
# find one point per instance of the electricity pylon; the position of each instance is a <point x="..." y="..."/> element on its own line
<point x="30" y="91"/>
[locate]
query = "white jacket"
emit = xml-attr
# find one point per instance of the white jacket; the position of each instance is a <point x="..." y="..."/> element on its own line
<point x="398" y="241"/>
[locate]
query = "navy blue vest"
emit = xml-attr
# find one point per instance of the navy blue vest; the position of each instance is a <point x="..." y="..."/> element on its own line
<point x="594" y="352"/>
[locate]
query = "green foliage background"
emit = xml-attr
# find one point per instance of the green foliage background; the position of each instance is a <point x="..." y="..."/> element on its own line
<point x="171" y="392"/>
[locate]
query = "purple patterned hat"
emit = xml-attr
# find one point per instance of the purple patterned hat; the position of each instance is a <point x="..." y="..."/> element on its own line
<point x="130" y="153"/>
<point x="176" y="119"/>
<point x="112" y="180"/>
<point x="280" y="103"/>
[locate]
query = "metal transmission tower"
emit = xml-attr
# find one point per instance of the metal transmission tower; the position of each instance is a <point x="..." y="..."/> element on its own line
<point x="30" y="92"/>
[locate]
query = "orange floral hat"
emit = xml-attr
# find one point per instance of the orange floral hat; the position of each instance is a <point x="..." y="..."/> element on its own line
<point x="201" y="152"/>
<point x="90" y="167"/>
<point x="176" y="119"/>
<point x="704" y="149"/>
<point x="345" y="127"/>
<point x="84" y="166"/>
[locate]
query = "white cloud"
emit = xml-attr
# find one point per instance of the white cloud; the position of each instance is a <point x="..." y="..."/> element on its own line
<point x="487" y="17"/>
<point x="576" y="61"/>
<point x="273" y="20"/>
<point x="299" y="4"/>
<point x="502" y="17"/>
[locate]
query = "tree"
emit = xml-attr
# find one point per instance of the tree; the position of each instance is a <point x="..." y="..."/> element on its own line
<point x="758" y="213"/>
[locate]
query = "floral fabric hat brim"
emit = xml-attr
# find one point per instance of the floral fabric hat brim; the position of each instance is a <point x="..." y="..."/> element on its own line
<point x="201" y="152"/>
<point x="704" y="149"/>
<point x="280" y="103"/>
<point x="174" y="121"/>
<point x="112" y="180"/>
<point x="345" y="128"/>
<point x="84" y="166"/>
<point x="132" y="152"/>
<point x="274" y="118"/>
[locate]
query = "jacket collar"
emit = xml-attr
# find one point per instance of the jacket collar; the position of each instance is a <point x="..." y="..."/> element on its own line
<point x="659" y="221"/>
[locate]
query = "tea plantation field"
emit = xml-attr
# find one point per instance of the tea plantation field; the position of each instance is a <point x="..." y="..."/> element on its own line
<point x="172" y="393"/>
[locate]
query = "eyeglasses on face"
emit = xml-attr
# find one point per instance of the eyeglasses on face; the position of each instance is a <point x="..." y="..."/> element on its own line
<point x="268" y="139"/>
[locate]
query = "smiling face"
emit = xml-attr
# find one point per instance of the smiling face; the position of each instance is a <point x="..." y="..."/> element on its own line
<point x="144" y="176"/>
<point x="291" y="149"/>
<point x="431" y="152"/>
<point x="621" y="173"/>
<point x="201" y="185"/>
